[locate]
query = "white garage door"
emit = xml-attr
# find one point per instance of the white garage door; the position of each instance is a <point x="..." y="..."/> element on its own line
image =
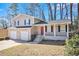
<point x="24" y="35"/>
<point x="13" y="35"/>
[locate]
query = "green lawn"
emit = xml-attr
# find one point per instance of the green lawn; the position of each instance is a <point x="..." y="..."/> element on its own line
<point x="35" y="50"/>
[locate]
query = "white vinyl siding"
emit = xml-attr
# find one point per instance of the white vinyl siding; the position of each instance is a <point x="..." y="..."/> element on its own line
<point x="17" y="23"/>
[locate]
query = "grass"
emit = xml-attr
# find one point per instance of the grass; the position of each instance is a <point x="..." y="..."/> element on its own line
<point x="34" y="50"/>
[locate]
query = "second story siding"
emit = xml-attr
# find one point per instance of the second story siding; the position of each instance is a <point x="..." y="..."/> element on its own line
<point x="23" y="20"/>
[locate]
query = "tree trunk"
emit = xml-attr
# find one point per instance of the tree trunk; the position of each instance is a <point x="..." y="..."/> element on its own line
<point x="71" y="13"/>
<point x="61" y="11"/>
<point x="50" y="11"/>
<point x="78" y="15"/>
<point x="43" y="16"/>
<point x="66" y="11"/>
<point x="54" y="11"/>
<point x="66" y="15"/>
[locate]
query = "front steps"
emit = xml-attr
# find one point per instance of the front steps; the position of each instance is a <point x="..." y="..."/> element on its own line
<point x="38" y="38"/>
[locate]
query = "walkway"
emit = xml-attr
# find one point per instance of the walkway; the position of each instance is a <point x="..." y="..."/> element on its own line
<point x="7" y="44"/>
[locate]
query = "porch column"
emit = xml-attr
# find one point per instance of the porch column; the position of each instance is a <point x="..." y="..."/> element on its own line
<point x="67" y="30"/>
<point x="54" y="30"/>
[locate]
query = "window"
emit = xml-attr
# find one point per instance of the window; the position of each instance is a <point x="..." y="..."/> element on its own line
<point x="58" y="28"/>
<point x="24" y="22"/>
<point x="51" y="28"/>
<point x="17" y="22"/>
<point x="66" y="28"/>
<point x="29" y="21"/>
<point x="45" y="28"/>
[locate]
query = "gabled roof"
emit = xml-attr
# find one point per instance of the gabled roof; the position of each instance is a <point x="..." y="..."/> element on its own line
<point x="20" y="15"/>
<point x="41" y="22"/>
<point x="26" y="15"/>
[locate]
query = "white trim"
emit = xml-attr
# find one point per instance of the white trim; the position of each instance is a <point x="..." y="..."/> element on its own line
<point x="67" y="30"/>
<point x="54" y="30"/>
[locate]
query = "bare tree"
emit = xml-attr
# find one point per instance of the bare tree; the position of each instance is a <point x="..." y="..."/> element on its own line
<point x="43" y="15"/>
<point x="50" y="11"/>
<point x="55" y="11"/>
<point x="14" y="9"/>
<point x="66" y="10"/>
<point x="41" y="12"/>
<point x="3" y="23"/>
<point x="35" y="9"/>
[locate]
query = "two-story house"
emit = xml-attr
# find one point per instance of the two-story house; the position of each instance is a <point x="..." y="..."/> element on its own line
<point x="24" y="26"/>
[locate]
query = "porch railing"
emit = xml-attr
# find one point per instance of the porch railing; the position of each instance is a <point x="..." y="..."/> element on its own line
<point x="57" y="33"/>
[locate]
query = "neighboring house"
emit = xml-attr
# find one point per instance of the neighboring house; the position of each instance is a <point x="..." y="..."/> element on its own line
<point x="25" y="26"/>
<point x="3" y="22"/>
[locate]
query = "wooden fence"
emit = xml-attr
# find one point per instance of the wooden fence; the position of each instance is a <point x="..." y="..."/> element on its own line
<point x="3" y="33"/>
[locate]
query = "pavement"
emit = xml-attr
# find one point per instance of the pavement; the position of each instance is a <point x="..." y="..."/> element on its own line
<point x="7" y="44"/>
<point x="10" y="43"/>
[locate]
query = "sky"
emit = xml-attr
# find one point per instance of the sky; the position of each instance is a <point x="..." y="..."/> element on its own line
<point x="4" y="7"/>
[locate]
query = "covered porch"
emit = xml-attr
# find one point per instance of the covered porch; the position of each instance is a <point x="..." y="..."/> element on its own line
<point x="53" y="30"/>
<point x="56" y="30"/>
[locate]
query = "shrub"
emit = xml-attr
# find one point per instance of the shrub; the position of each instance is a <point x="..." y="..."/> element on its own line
<point x="72" y="46"/>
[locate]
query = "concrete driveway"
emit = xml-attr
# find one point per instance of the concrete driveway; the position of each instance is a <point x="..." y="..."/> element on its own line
<point x="7" y="44"/>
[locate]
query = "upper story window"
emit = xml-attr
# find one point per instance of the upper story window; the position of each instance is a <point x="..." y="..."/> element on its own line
<point x="24" y="22"/>
<point x="17" y="22"/>
<point x="29" y="21"/>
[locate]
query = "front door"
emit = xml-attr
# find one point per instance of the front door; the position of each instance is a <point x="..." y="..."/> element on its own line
<point x="42" y="30"/>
